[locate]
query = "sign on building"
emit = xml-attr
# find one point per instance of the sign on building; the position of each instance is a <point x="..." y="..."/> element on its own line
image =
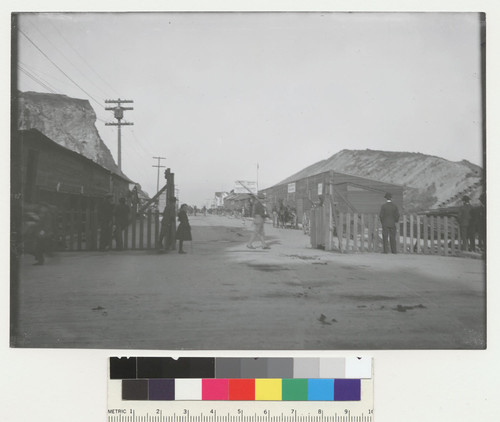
<point x="291" y="187"/>
<point x="320" y="188"/>
<point x="245" y="186"/>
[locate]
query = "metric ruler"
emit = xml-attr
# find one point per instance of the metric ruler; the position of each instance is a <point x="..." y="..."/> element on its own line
<point x="148" y="390"/>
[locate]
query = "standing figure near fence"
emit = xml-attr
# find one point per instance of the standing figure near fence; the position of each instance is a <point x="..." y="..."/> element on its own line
<point x="481" y="222"/>
<point x="184" y="229"/>
<point x="122" y="212"/>
<point x="259" y="216"/>
<point x="167" y="230"/>
<point x="106" y="214"/>
<point x="466" y="223"/>
<point x="389" y="216"/>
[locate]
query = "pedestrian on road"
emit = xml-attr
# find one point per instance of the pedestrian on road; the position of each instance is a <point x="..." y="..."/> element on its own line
<point x="389" y="216"/>
<point x="106" y="214"/>
<point x="167" y="230"/>
<point x="184" y="229"/>
<point x="259" y="216"/>
<point x="466" y="225"/>
<point x="122" y="212"/>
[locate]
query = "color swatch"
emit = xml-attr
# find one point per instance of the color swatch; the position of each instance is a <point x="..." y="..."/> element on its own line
<point x="243" y="379"/>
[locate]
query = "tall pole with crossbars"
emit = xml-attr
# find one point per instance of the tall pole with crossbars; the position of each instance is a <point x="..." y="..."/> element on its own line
<point x="118" y="112"/>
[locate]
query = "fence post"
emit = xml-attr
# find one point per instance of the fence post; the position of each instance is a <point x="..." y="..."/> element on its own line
<point x="141" y="231"/>
<point x="148" y="229"/>
<point x="312" y="228"/>
<point x="418" y="234"/>
<point x="452" y="238"/>
<point x="157" y="227"/>
<point x="340" y="232"/>
<point x="362" y="232"/>
<point x="426" y="233"/>
<point x="433" y="228"/>
<point x="438" y="234"/>
<point x="445" y="235"/>
<point x="134" y="227"/>
<point x="355" y="232"/>
<point x="405" y="234"/>
<point x="347" y="232"/>
<point x="411" y="233"/>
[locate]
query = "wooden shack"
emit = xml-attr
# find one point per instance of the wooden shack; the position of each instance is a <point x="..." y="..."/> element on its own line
<point x="350" y="193"/>
<point x="51" y="173"/>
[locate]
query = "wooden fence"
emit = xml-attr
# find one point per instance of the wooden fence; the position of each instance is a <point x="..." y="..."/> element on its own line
<point x="79" y="230"/>
<point x="347" y="232"/>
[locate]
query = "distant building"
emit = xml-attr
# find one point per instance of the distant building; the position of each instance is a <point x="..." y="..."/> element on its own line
<point x="219" y="199"/>
<point x="350" y="193"/>
<point x="51" y="173"/>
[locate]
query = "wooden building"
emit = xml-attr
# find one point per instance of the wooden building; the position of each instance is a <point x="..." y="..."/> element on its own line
<point x="51" y="173"/>
<point x="350" y="193"/>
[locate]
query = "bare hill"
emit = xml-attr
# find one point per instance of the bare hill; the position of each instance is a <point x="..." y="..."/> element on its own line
<point x="68" y="121"/>
<point x="429" y="181"/>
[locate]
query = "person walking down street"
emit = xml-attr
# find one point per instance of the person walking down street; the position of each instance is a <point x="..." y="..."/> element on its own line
<point x="466" y="225"/>
<point x="122" y="212"/>
<point x="106" y="223"/>
<point x="184" y="229"/>
<point x="259" y="216"/>
<point x="389" y="216"/>
<point x="167" y="231"/>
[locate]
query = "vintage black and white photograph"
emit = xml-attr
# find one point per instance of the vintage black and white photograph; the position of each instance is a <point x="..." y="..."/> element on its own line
<point x="248" y="180"/>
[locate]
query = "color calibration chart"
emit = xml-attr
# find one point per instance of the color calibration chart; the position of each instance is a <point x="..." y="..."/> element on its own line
<point x="230" y="389"/>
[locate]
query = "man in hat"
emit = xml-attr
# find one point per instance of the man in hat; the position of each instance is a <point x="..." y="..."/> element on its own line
<point x="389" y="216"/>
<point x="167" y="230"/>
<point x="259" y="216"/>
<point x="466" y="225"/>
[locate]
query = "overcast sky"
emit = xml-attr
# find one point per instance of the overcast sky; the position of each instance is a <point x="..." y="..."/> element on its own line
<point x="218" y="93"/>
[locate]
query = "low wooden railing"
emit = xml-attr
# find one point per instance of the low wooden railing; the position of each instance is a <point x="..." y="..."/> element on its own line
<point x="351" y="232"/>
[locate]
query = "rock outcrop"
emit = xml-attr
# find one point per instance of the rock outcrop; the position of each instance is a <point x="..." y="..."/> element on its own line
<point x="68" y="121"/>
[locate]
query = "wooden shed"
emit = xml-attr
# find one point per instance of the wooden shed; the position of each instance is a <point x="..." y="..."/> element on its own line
<point x="350" y="193"/>
<point x="49" y="172"/>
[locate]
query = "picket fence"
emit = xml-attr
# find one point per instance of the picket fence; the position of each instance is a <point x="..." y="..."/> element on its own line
<point x="351" y="232"/>
<point x="79" y="230"/>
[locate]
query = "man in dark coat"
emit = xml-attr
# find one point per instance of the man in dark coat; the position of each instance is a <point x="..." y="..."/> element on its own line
<point x="466" y="223"/>
<point x="389" y="216"/>
<point x="167" y="230"/>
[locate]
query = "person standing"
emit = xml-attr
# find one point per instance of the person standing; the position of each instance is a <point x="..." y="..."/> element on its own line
<point x="466" y="225"/>
<point x="259" y="216"/>
<point x="184" y="229"/>
<point x="167" y="230"/>
<point x="106" y="222"/>
<point x="389" y="216"/>
<point x="122" y="212"/>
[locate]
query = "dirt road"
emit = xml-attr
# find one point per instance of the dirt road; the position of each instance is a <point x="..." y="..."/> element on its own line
<point x="222" y="295"/>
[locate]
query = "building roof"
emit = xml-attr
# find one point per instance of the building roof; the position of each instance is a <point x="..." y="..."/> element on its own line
<point x="40" y="137"/>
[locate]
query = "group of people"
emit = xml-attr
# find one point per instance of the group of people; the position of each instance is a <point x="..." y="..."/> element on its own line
<point x="168" y="231"/>
<point x="471" y="221"/>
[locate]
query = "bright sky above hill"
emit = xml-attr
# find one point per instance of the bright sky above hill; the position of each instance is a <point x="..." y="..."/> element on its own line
<point x="219" y="93"/>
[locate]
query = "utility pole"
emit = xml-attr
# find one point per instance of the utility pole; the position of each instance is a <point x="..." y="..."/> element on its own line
<point x="158" y="176"/>
<point x="118" y="111"/>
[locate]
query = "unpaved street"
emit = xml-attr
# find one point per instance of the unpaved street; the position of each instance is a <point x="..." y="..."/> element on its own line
<point x="222" y="295"/>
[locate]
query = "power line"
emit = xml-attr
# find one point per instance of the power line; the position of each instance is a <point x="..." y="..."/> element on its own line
<point x="36" y="79"/>
<point x="82" y="58"/>
<point x="67" y="59"/>
<point x="62" y="71"/>
<point x="158" y="167"/>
